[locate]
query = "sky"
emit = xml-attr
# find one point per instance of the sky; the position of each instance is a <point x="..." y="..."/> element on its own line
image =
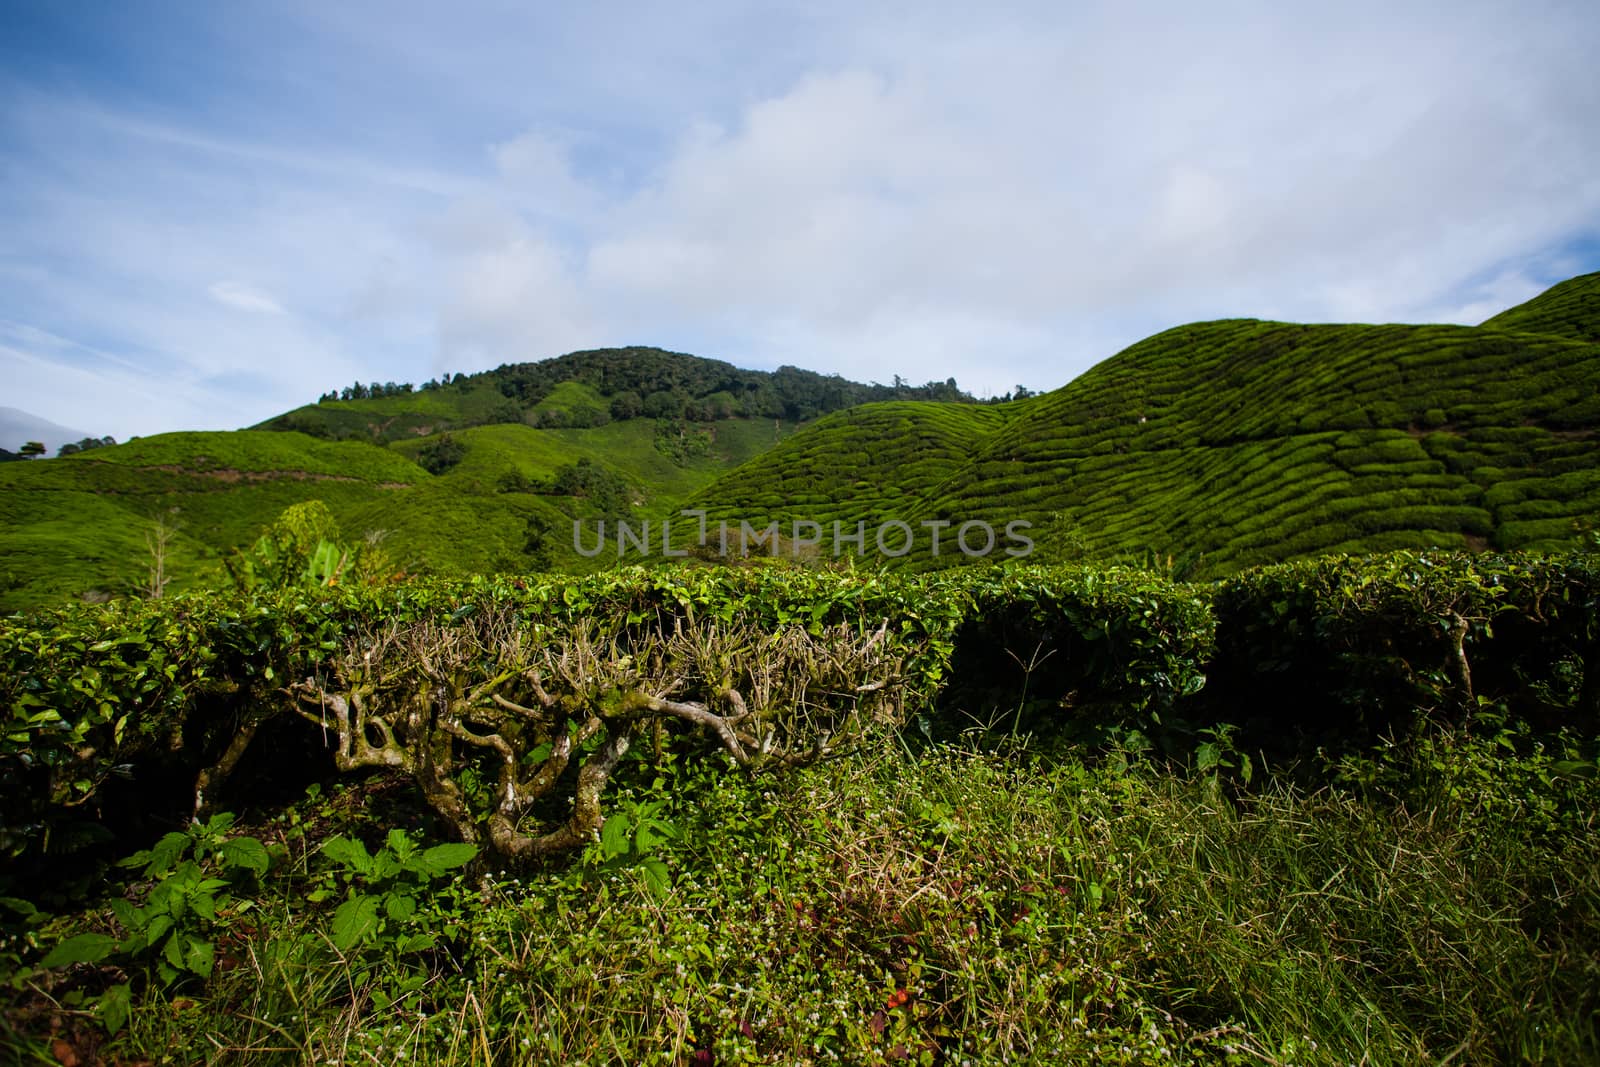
<point x="212" y="213"/>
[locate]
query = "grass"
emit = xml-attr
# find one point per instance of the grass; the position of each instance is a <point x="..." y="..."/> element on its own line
<point x="956" y="905"/>
<point x="394" y="418"/>
<point x="1242" y="442"/>
<point x="573" y="397"/>
<point x="254" y="451"/>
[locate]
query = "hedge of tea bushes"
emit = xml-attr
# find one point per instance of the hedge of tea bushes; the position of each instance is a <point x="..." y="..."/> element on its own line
<point x="112" y="710"/>
<point x="1331" y="651"/>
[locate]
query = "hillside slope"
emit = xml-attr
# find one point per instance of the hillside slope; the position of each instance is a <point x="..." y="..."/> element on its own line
<point x="1570" y="309"/>
<point x="867" y="463"/>
<point x="1229" y="443"/>
<point x="1221" y="444"/>
<point x="458" y="475"/>
<point x="466" y="473"/>
<point x="1234" y="443"/>
<point x="78" y="525"/>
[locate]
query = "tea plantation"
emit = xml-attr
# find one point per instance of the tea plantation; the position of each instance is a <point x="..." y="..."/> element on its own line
<point x="1316" y="813"/>
<point x="323" y="745"/>
<point x="1233" y="443"/>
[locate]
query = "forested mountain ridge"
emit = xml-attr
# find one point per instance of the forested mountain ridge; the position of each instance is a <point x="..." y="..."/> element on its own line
<point x="592" y="388"/>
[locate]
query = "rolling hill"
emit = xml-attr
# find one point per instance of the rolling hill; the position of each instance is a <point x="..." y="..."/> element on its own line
<point x="1217" y="444"/>
<point x="454" y="476"/>
<point x="1570" y="309"/>
<point x="869" y="463"/>
<point x="1237" y="442"/>
<point x="78" y="524"/>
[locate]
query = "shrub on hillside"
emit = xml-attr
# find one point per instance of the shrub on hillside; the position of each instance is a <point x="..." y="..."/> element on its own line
<point x="440" y="455"/>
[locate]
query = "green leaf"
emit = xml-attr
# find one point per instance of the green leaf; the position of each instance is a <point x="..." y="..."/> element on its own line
<point x="20" y="906"/>
<point x="356" y="920"/>
<point x="159" y="925"/>
<point x="384" y="865"/>
<point x="614" y="836"/>
<point x="656" y="875"/>
<point x="248" y="853"/>
<point x="200" y="957"/>
<point x="218" y="824"/>
<point x="159" y="860"/>
<point x="83" y="948"/>
<point x="441" y="858"/>
<point x="175" y="899"/>
<point x="399" y="842"/>
<point x="415" y="942"/>
<point x="1207" y="756"/>
<point x="125" y="913"/>
<point x="650" y="834"/>
<point x="399" y="906"/>
<point x="173" y="951"/>
<point x="113" y="1007"/>
<point x="348" y="853"/>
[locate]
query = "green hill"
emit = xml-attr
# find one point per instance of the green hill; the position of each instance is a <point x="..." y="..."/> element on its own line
<point x="455" y="476"/>
<point x="1570" y="309"/>
<point x="77" y="525"/>
<point x="451" y="475"/>
<point x="1238" y="442"/>
<point x="869" y="462"/>
<point x="1220" y="444"/>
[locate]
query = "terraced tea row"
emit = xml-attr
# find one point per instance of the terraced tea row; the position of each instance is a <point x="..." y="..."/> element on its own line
<point x="1238" y="442"/>
<point x="1570" y="309"/>
<point x="867" y="464"/>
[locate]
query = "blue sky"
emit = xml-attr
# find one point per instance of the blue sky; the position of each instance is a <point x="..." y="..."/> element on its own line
<point x="210" y="213"/>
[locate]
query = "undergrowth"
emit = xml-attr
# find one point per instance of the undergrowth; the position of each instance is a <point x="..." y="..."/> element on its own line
<point x="1435" y="902"/>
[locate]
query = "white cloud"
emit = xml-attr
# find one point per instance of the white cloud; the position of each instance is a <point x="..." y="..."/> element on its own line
<point x="508" y="294"/>
<point x="1321" y="170"/>
<point x="244" y="298"/>
<point x="64" y="381"/>
<point x="535" y="174"/>
<point x="1000" y="194"/>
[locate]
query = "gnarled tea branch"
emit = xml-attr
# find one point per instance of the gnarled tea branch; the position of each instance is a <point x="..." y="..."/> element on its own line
<point x="523" y="704"/>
